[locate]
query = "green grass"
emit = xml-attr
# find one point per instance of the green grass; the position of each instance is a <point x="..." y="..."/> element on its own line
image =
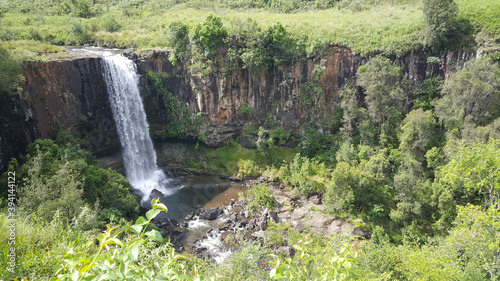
<point x="482" y="14"/>
<point x="389" y="27"/>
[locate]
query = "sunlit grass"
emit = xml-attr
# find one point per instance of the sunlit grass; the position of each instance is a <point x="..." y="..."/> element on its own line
<point x="389" y="27"/>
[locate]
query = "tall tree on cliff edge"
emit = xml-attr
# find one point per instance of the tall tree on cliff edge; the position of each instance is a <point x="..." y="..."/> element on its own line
<point x="9" y="71"/>
<point x="440" y="16"/>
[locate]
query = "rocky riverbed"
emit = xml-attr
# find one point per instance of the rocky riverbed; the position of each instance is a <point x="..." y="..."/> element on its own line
<point x="214" y="232"/>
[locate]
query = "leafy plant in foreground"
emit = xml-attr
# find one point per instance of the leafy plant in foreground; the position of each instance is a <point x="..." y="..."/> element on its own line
<point x="118" y="259"/>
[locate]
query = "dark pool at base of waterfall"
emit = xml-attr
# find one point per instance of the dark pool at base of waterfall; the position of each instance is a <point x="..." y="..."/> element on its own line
<point x="188" y="192"/>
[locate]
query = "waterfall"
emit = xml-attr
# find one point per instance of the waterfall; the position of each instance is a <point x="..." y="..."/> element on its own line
<point x="139" y="156"/>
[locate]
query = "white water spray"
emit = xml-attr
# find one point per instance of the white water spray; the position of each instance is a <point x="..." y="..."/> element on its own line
<point x="139" y="155"/>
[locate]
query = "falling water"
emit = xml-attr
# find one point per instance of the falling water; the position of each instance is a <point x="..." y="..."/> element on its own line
<point x="139" y="155"/>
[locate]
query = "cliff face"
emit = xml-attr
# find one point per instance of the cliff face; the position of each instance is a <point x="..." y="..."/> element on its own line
<point x="211" y="103"/>
<point x="234" y="102"/>
<point x="72" y="94"/>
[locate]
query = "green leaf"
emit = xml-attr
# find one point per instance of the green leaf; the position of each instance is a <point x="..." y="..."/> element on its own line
<point x="159" y="205"/>
<point x="141" y="221"/>
<point x="114" y="241"/>
<point x="134" y="254"/>
<point x="155" y="236"/>
<point x="151" y="214"/>
<point x="136" y="228"/>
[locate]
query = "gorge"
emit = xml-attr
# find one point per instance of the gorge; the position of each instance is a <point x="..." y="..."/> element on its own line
<point x="72" y="93"/>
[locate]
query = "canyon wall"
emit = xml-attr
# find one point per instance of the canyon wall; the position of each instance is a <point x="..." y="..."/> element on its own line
<point x="213" y="103"/>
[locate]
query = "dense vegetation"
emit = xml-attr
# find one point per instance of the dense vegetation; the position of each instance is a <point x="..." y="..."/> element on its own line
<point x="419" y="165"/>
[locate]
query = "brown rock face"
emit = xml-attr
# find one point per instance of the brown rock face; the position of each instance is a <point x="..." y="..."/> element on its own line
<point x="72" y="94"/>
<point x="213" y="105"/>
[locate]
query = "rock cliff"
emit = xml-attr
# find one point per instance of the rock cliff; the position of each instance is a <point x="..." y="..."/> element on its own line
<point x="212" y="102"/>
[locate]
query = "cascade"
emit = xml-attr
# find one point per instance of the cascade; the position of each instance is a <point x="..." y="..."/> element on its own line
<point x="139" y="156"/>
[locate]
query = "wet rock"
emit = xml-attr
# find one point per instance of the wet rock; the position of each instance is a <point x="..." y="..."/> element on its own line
<point x="210" y="214"/>
<point x="177" y="230"/>
<point x="236" y="179"/>
<point x="155" y="193"/>
<point x="234" y="217"/>
<point x="173" y="222"/>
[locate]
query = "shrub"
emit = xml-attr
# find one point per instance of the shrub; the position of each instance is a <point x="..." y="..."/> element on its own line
<point x="9" y="71"/>
<point x="178" y="39"/>
<point x="110" y="24"/>
<point x="258" y="196"/>
<point x="440" y="16"/>
<point x="210" y="35"/>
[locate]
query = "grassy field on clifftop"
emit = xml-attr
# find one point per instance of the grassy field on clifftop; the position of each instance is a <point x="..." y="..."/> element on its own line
<point x="367" y="27"/>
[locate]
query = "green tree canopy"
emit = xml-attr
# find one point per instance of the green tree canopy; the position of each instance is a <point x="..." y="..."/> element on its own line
<point x="440" y="16"/>
<point x="471" y="94"/>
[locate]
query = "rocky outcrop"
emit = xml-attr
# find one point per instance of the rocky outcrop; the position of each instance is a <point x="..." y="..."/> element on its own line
<point x="18" y="128"/>
<point x="223" y="102"/>
<point x="71" y="93"/>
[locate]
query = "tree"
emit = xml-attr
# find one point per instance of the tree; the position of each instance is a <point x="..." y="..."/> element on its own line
<point x="9" y="71"/>
<point x="471" y="95"/>
<point x="473" y="170"/>
<point x="277" y="43"/>
<point x="418" y="133"/>
<point x="440" y="18"/>
<point x="384" y="95"/>
<point x="210" y="35"/>
<point x="178" y="39"/>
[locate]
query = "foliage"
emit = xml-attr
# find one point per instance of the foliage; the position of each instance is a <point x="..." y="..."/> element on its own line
<point x="9" y="71"/>
<point x="428" y="92"/>
<point x="121" y="258"/>
<point x="473" y="170"/>
<point x="243" y="264"/>
<point x="470" y="95"/>
<point x="277" y="43"/>
<point x="63" y="179"/>
<point x="329" y="259"/>
<point x="258" y="196"/>
<point x="440" y="16"/>
<point x="178" y="39"/>
<point x="418" y="133"/>
<point x="384" y="95"/>
<point x="210" y="35"/>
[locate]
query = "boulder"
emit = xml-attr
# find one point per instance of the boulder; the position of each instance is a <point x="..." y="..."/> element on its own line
<point x="319" y="220"/>
<point x="210" y="214"/>
<point x="315" y="199"/>
<point x="361" y="233"/>
<point x="287" y="250"/>
<point x="274" y="216"/>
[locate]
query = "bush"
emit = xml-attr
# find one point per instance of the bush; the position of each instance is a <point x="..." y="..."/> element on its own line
<point x="9" y="71"/>
<point x="210" y="35"/>
<point x="440" y="16"/>
<point x="178" y="39"/>
<point x="110" y="24"/>
<point x="258" y="196"/>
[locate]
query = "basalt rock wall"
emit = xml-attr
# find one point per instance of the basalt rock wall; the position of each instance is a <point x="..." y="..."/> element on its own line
<point x="212" y="103"/>
<point x="71" y="94"/>
<point x="233" y="102"/>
